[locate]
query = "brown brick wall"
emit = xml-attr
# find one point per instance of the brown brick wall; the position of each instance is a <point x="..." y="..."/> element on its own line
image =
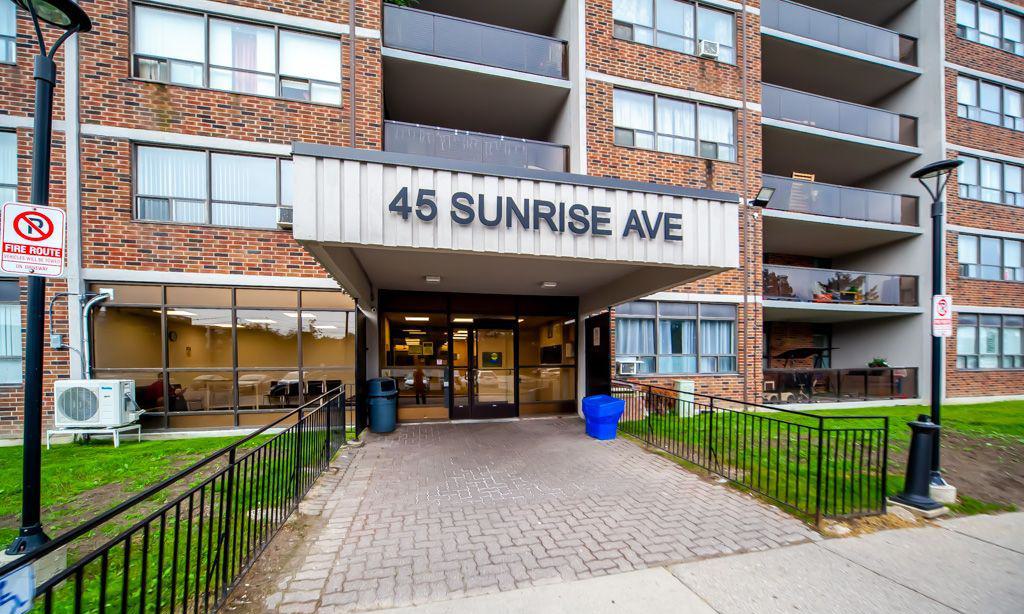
<point x="979" y="135"/>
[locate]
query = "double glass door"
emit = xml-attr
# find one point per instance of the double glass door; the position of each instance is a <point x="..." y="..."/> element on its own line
<point x="484" y="370"/>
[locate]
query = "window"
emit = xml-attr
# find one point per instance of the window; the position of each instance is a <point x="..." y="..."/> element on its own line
<point x="990" y="25"/>
<point x="201" y="187"/>
<point x="647" y="121"/>
<point x="676" y="25"/>
<point x="8" y="32"/>
<point x="991" y="181"/>
<point x="199" y="348"/>
<point x="989" y="341"/>
<point x="205" y="51"/>
<point x="990" y="258"/>
<point x="669" y="337"/>
<point x="10" y="332"/>
<point x="989" y="102"/>
<point x="8" y="166"/>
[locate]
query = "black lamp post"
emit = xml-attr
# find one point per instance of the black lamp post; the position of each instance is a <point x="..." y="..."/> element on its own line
<point x="68" y="16"/>
<point x="934" y="177"/>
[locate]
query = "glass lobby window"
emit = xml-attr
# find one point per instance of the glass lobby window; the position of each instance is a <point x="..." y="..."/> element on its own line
<point x="8" y="165"/>
<point x="989" y="341"/>
<point x="547" y="359"/>
<point x="267" y="338"/>
<point x="173" y="47"/>
<point x="990" y="25"/>
<point x="198" y="338"/>
<point x="8" y="32"/>
<point x="991" y="181"/>
<point x="990" y="103"/>
<point x="416" y="355"/>
<point x="990" y="258"/>
<point x="670" y="337"/>
<point x="131" y="337"/>
<point x="10" y="332"/>
<point x="675" y="25"/>
<point x="647" y="121"/>
<point x="199" y="187"/>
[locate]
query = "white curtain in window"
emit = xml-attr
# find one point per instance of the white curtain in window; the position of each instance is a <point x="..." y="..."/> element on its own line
<point x="966" y="339"/>
<point x="8" y="164"/>
<point x="1012" y="103"/>
<point x="634" y="110"/>
<point x="677" y="118"/>
<point x="967" y="174"/>
<point x="640" y="12"/>
<point x="988" y="21"/>
<point x="634" y="337"/>
<point x="991" y="180"/>
<point x="1012" y="28"/>
<point x="967" y="249"/>
<point x="989" y="98"/>
<point x="8" y="22"/>
<point x="1012" y="253"/>
<point x="1012" y="342"/>
<point x="238" y="45"/>
<point x="169" y="34"/>
<point x="244" y="179"/>
<point x="717" y="125"/>
<point x="965" y="13"/>
<point x="967" y="91"/>
<point x="286" y="183"/>
<point x="10" y="343"/>
<point x="310" y="57"/>
<point x="717" y="337"/>
<point x="716" y="26"/>
<point x="988" y="346"/>
<point x="171" y="173"/>
<point x="677" y="336"/>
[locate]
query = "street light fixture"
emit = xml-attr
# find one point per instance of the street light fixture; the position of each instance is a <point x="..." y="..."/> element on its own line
<point x="934" y="177"/>
<point x="764" y="196"/>
<point x="68" y="16"/>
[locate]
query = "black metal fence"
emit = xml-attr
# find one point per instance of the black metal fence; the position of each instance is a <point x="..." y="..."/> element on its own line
<point x="817" y="465"/>
<point x="198" y="531"/>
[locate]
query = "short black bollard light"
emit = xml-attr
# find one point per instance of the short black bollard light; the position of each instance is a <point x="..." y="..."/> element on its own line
<point x="915" y="488"/>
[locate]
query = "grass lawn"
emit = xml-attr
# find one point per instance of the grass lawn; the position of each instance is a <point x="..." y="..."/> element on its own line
<point x="774" y="454"/>
<point x="80" y="480"/>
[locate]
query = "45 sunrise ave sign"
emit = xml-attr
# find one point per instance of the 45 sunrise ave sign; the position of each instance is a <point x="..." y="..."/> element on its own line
<point x="535" y="214"/>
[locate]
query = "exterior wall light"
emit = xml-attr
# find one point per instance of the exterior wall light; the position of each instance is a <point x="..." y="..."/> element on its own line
<point x="764" y="196"/>
<point x="549" y="284"/>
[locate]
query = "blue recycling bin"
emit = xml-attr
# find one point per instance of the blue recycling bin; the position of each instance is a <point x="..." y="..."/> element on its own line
<point x="601" y="413"/>
<point x="382" y="396"/>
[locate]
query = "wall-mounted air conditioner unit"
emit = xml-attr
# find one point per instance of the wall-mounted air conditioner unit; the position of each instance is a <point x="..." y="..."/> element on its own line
<point x="629" y="367"/>
<point x="707" y="49"/>
<point x="284" y="217"/>
<point x="94" y="403"/>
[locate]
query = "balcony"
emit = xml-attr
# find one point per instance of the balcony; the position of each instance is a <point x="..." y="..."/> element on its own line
<point x="786" y="386"/>
<point x="469" y="41"/>
<point x="401" y="137"/>
<point x="838" y="31"/>
<point x="841" y="142"/>
<point x="809" y="218"/>
<point x="831" y="287"/>
<point x="816" y="51"/>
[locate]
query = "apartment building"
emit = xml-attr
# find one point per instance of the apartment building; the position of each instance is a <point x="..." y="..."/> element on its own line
<point x="500" y="208"/>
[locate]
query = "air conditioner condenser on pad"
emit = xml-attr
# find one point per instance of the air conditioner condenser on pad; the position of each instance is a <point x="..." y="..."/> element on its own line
<point x="94" y="403"/>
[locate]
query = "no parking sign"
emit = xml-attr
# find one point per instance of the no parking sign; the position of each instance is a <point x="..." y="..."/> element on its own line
<point x="33" y="240"/>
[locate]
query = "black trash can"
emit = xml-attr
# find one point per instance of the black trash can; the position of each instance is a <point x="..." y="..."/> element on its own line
<point x="382" y="396"/>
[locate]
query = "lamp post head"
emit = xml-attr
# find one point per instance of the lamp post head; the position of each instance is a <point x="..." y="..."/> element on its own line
<point x="64" y="14"/>
<point x="936" y="169"/>
<point x="764" y="196"/>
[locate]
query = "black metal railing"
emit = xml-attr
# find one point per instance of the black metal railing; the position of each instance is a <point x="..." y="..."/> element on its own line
<point x="787" y="385"/>
<point x="815" y="111"/>
<point x="402" y="137"/>
<point x="200" y="529"/>
<point x="836" y="30"/>
<point x="816" y="465"/>
<point x="471" y="41"/>
<point x="841" y="201"/>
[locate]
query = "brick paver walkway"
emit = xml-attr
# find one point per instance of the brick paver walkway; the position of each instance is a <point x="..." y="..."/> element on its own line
<point x="435" y="512"/>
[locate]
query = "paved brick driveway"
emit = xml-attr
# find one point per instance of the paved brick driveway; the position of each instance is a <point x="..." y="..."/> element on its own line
<point x="440" y="511"/>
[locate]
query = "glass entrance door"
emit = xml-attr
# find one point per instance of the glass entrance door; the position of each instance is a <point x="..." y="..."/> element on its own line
<point x="485" y="376"/>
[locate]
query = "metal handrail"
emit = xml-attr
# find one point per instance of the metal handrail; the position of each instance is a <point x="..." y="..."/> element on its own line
<point x="393" y="7"/>
<point x="836" y="100"/>
<point x="95" y="522"/>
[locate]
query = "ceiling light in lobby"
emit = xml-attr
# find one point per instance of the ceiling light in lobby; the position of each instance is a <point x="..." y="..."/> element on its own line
<point x="549" y="284"/>
<point x="432" y="279"/>
<point x="417" y="318"/>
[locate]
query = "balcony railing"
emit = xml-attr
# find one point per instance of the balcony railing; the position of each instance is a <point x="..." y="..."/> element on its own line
<point x="840" y="31"/>
<point x="840" y="201"/>
<point x="400" y="137"/>
<point x="839" y="385"/>
<point x="838" y="116"/>
<point x="470" y="41"/>
<point x="791" y="283"/>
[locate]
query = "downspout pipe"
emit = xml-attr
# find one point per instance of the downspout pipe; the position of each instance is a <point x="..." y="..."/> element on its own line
<point x="86" y="339"/>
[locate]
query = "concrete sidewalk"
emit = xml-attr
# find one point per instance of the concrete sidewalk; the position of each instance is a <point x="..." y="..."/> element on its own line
<point x="964" y="565"/>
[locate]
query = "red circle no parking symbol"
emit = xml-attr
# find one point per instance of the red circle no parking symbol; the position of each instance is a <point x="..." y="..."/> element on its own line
<point x="33" y="226"/>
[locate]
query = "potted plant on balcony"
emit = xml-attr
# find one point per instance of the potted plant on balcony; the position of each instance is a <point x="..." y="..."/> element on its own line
<point x="402" y="2"/>
<point x="878" y="363"/>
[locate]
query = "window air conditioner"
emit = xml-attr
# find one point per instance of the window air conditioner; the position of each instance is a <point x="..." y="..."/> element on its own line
<point x="707" y="49"/>
<point x="628" y="367"/>
<point x="94" y="403"/>
<point x="284" y="217"/>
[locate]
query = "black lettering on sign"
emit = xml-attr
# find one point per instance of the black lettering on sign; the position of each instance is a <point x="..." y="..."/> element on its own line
<point x="426" y="207"/>
<point x="400" y="204"/>
<point x="462" y="203"/>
